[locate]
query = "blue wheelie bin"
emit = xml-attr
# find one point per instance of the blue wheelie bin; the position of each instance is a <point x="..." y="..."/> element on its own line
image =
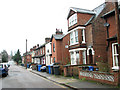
<point x="39" y="66"/>
<point x="27" y="65"/>
<point x="49" y="69"/>
<point x="91" y="68"/>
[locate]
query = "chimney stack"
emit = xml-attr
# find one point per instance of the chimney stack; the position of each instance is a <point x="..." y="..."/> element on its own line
<point x="31" y="49"/>
<point x="47" y="40"/>
<point x="59" y="32"/>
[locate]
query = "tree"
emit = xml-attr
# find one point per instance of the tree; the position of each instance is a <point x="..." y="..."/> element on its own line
<point x="17" y="57"/>
<point x="4" y="56"/>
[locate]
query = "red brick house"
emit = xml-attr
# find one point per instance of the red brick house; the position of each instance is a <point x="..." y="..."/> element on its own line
<point x="28" y="58"/>
<point x="112" y="44"/>
<point x="59" y="44"/>
<point x="40" y="54"/>
<point x="87" y="34"/>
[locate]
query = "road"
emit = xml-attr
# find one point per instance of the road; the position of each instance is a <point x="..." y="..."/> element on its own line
<point x="21" y="78"/>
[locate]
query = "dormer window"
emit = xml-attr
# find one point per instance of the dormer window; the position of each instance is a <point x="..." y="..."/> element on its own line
<point x="73" y="20"/>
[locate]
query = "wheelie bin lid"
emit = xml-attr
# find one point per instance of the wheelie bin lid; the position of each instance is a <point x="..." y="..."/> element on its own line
<point x="56" y="66"/>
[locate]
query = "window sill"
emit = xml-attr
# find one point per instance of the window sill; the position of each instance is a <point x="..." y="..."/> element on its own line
<point x="83" y="42"/>
<point x="74" y="44"/>
<point x="115" y="68"/>
<point x="73" y="64"/>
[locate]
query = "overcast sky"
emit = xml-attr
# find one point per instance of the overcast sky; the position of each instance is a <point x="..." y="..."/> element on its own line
<point x="34" y="20"/>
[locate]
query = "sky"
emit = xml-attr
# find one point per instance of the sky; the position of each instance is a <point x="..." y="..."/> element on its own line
<point x="34" y="20"/>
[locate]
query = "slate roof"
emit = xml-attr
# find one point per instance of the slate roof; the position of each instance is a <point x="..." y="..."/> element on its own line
<point x="82" y="10"/>
<point x="95" y="12"/>
<point x="109" y="13"/>
<point x="57" y="36"/>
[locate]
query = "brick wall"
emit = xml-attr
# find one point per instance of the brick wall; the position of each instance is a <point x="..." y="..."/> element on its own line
<point x="97" y="36"/>
<point x="65" y="50"/>
<point x="71" y="70"/>
<point x="111" y="78"/>
<point x="59" y="51"/>
<point x="53" y="53"/>
<point x="82" y="19"/>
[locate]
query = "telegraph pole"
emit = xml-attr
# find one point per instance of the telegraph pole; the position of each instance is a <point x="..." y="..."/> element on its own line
<point x="26" y="54"/>
<point x="118" y="33"/>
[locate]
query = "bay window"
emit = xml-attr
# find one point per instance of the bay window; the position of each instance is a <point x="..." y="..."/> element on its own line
<point x="72" y="58"/>
<point x="84" y="57"/>
<point x="71" y="38"/>
<point x="74" y="37"/>
<point x="77" y="57"/>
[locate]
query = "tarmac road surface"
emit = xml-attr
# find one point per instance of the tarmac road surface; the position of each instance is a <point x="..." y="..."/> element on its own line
<point x="21" y="78"/>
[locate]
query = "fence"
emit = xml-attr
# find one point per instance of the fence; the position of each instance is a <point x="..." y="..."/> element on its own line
<point x="103" y="77"/>
<point x="108" y="78"/>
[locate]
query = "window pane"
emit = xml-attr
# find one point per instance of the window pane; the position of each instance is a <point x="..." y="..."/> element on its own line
<point x="54" y="59"/>
<point x="72" y="58"/>
<point x="115" y="54"/>
<point x="76" y="36"/>
<point x="83" y="35"/>
<point x="77" y="57"/>
<point x="84" y="57"/>
<point x="116" y="60"/>
<point x="53" y="47"/>
<point x="71" y="37"/>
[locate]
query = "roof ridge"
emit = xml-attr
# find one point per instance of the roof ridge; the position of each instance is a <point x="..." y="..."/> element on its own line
<point x="98" y="6"/>
<point x="81" y="8"/>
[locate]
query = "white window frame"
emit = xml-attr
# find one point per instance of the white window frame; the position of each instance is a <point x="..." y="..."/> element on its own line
<point x="73" y="37"/>
<point x="76" y="36"/>
<point x="72" y="57"/>
<point x="43" y="50"/>
<point x="83" y="35"/>
<point x="73" y="20"/>
<point x="74" y="54"/>
<point x="84" y="53"/>
<point x="113" y="56"/>
<point x="77" y="57"/>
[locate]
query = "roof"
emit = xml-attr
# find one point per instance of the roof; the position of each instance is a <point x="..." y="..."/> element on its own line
<point x="57" y="36"/>
<point x="38" y="56"/>
<point x="112" y="12"/>
<point x="80" y="10"/>
<point x="95" y="12"/>
<point x="41" y="46"/>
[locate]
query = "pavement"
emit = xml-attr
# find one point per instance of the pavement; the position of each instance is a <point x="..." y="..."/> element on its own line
<point x="71" y="82"/>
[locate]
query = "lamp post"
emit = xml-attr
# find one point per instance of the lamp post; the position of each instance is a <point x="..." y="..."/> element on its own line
<point x="26" y="53"/>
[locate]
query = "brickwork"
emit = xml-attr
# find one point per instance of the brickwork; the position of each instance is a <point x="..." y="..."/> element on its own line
<point x="71" y="70"/>
<point x="53" y="53"/>
<point x="65" y="50"/>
